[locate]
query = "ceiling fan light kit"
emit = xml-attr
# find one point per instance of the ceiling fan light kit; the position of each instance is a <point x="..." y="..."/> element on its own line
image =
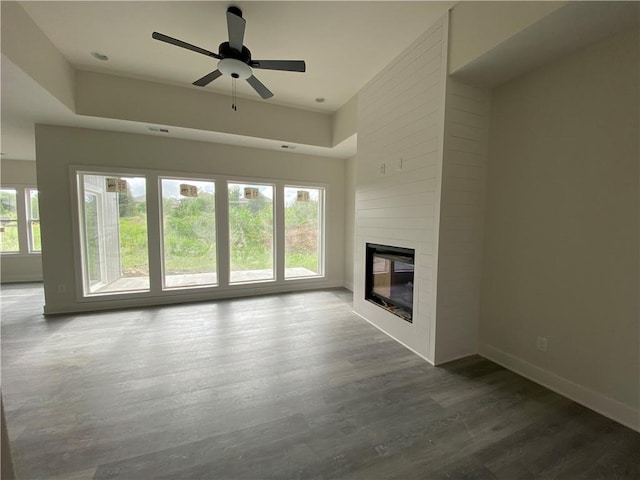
<point x="234" y="58"/>
<point x="234" y="68"/>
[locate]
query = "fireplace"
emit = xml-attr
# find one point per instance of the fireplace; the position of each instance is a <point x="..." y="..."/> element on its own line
<point x="389" y="279"/>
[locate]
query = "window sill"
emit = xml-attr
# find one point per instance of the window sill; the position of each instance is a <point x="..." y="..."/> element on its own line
<point x="19" y="255"/>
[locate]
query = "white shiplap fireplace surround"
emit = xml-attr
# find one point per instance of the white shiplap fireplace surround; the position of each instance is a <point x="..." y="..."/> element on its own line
<point x="420" y="175"/>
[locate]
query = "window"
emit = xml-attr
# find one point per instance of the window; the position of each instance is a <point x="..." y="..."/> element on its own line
<point x="9" y="221"/>
<point x="113" y="220"/>
<point x="188" y="233"/>
<point x="303" y="231"/>
<point x="168" y="244"/>
<point x="33" y="220"/>
<point x="251" y="235"/>
<point x="19" y="220"/>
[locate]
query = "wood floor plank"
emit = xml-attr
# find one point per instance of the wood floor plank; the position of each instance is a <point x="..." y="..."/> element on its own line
<point x="281" y="386"/>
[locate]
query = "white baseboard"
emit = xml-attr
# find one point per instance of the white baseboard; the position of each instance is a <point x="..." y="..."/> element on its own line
<point x="453" y="357"/>
<point x="116" y="303"/>
<point x="596" y="401"/>
<point x="348" y="286"/>
<point x="428" y="360"/>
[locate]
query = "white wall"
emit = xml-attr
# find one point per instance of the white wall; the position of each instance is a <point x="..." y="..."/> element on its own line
<point x="27" y="46"/>
<point x="461" y="220"/>
<point x="60" y="147"/>
<point x="400" y="122"/>
<point x="344" y="122"/>
<point x="478" y="27"/>
<point x="18" y="172"/>
<point x="111" y="96"/>
<point x="19" y="267"/>
<point x="349" y="219"/>
<point x="495" y="42"/>
<point x="561" y="253"/>
<point x="431" y="132"/>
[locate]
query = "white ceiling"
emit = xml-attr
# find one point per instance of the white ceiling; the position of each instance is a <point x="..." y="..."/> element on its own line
<point x="25" y="103"/>
<point x="343" y="43"/>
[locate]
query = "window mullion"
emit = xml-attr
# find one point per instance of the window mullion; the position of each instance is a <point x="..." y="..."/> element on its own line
<point x="21" y="209"/>
<point x="279" y="232"/>
<point x="154" y="218"/>
<point x="222" y="233"/>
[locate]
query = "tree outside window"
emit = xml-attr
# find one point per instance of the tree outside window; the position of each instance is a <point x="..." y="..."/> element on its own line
<point x="9" y="240"/>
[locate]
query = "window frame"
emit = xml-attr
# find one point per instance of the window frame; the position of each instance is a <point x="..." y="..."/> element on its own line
<point x="321" y="229"/>
<point x="224" y="288"/>
<point x="83" y="286"/>
<point x="186" y="179"/>
<point x="86" y="277"/>
<point x="274" y="229"/>
<point x="22" y="214"/>
<point x="30" y="219"/>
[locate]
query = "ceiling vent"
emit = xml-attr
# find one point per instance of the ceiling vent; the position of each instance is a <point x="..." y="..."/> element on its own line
<point x="158" y="129"/>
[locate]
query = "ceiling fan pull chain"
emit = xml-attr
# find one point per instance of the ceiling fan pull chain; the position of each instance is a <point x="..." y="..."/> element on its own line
<point x="234" y="105"/>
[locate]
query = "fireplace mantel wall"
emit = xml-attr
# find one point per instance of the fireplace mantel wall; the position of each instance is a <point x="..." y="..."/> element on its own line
<point x="419" y="176"/>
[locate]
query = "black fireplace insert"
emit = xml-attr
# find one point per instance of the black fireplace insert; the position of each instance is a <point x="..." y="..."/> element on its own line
<point x="389" y="279"/>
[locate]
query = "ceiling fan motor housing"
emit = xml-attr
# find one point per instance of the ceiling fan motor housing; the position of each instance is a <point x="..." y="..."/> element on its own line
<point x="226" y="51"/>
<point x="235" y="11"/>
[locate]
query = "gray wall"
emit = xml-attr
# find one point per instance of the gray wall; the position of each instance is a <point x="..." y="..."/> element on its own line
<point x="561" y="249"/>
<point x="60" y="147"/>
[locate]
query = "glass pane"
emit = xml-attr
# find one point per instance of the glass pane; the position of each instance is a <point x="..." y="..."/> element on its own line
<point x="92" y="238"/>
<point x="251" y="232"/>
<point x="302" y="235"/>
<point x="189" y="233"/>
<point x="8" y="221"/>
<point x="33" y="220"/>
<point x="34" y="207"/>
<point x="114" y="223"/>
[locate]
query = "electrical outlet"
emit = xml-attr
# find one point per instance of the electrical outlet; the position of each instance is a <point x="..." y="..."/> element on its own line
<point x="383" y="169"/>
<point x="62" y="288"/>
<point x="399" y="164"/>
<point x="541" y="344"/>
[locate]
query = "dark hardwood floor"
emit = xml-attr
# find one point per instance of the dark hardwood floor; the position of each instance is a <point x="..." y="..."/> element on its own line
<point x="284" y="386"/>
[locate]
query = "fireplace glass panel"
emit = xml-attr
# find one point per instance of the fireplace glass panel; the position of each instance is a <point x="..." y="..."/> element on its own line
<point x="389" y="279"/>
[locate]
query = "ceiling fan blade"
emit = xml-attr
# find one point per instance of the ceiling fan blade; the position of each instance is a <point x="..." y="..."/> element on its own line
<point x="179" y="43"/>
<point x="207" y="79"/>
<point x="235" y="24"/>
<point x="288" y="65"/>
<point x="259" y="87"/>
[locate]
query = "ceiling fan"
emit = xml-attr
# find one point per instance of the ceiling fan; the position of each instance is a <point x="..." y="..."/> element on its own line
<point x="234" y="58"/>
